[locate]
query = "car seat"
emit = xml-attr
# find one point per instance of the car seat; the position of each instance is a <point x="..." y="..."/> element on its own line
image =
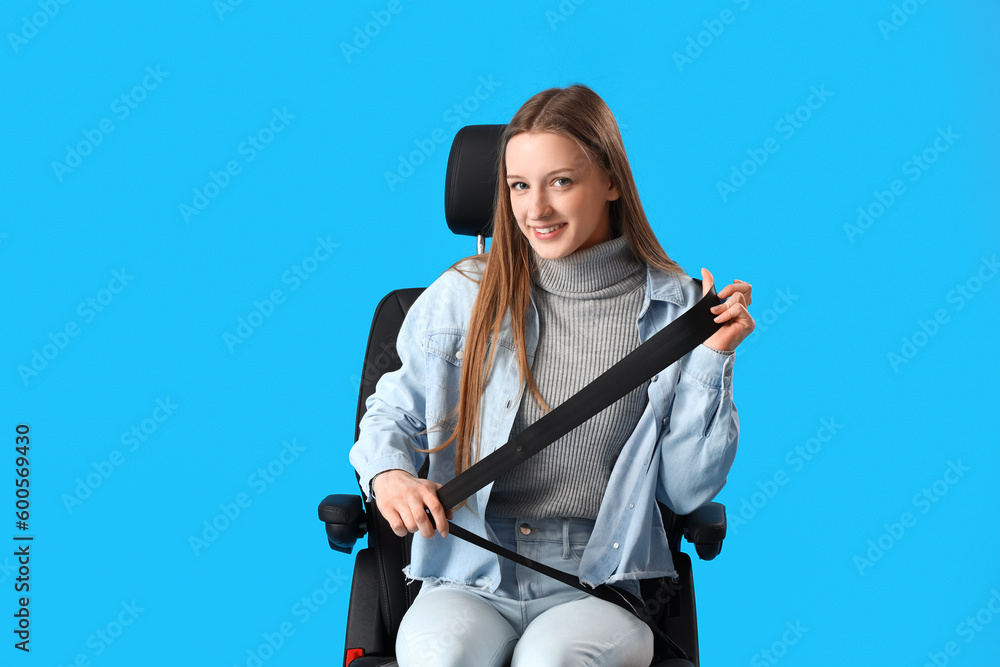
<point x="379" y="593"/>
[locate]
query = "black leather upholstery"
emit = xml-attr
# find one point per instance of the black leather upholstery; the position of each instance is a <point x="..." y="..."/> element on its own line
<point x="706" y="528"/>
<point x="366" y="628"/>
<point x="344" y="516"/>
<point x="471" y="182"/>
<point x="380" y="353"/>
<point x="392" y="553"/>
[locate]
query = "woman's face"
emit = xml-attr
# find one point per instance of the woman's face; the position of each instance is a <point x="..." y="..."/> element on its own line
<point x="559" y="198"/>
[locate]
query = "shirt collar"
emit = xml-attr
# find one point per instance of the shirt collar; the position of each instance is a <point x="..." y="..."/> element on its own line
<point x="664" y="286"/>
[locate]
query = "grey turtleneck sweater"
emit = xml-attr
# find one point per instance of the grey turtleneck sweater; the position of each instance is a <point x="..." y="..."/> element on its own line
<point x="588" y="304"/>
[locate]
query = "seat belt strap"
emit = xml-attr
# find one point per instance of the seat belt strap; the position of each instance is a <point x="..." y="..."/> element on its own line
<point x="664" y="348"/>
<point x="611" y="594"/>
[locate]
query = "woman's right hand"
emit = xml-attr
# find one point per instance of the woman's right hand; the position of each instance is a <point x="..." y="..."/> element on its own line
<point x="402" y="499"/>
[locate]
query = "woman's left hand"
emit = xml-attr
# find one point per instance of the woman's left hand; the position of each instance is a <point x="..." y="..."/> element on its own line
<point x="732" y="313"/>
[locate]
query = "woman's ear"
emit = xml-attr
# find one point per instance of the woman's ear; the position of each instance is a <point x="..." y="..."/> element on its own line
<point x="613" y="193"/>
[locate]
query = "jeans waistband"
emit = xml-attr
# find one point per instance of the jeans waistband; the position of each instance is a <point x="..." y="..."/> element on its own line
<point x="554" y="529"/>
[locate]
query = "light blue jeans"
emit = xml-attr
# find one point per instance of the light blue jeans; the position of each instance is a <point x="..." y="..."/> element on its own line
<point x="531" y="619"/>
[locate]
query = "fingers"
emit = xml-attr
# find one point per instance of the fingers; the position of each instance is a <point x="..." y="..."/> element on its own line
<point x="438" y="514"/>
<point x="395" y="522"/>
<point x="738" y="286"/>
<point x="441" y="517"/>
<point x="732" y="308"/>
<point x="412" y="508"/>
<point x="707" y="281"/>
<point x="747" y="289"/>
<point x="736" y="298"/>
<point x="420" y="520"/>
<point x="398" y="517"/>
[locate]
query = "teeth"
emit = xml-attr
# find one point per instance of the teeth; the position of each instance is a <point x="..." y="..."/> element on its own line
<point x="546" y="230"/>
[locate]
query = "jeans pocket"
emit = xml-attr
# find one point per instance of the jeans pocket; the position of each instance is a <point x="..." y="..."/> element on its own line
<point x="575" y="551"/>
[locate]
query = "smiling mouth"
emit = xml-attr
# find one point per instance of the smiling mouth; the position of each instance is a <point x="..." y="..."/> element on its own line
<point x="543" y="231"/>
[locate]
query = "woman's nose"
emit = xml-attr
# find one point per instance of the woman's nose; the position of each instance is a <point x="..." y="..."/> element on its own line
<point x="538" y="205"/>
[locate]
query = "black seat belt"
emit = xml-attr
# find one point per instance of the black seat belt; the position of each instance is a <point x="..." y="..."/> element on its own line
<point x="665" y="347"/>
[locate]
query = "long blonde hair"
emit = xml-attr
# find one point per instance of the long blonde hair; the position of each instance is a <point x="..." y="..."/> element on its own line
<point x="579" y="113"/>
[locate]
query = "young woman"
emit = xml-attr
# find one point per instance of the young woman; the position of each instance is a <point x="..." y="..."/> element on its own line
<point x="574" y="280"/>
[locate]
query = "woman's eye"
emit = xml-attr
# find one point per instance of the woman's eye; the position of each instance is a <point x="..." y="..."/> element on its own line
<point x="517" y="186"/>
<point x="563" y="181"/>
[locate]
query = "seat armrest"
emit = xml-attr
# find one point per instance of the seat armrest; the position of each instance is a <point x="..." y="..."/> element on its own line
<point x="705" y="528"/>
<point x="345" y="519"/>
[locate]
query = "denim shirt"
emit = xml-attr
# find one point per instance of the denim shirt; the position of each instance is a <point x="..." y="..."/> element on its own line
<point x="680" y="452"/>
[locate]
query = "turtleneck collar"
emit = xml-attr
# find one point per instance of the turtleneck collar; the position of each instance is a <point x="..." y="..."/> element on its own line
<point x="603" y="270"/>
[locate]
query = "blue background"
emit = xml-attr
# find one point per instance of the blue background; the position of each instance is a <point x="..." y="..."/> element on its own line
<point x="831" y="304"/>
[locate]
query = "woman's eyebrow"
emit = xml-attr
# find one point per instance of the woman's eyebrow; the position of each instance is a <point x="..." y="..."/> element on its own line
<point x="554" y="171"/>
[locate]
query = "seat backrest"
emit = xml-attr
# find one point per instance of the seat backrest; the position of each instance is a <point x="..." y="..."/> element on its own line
<point x="392" y="553"/>
<point x="380" y="353"/>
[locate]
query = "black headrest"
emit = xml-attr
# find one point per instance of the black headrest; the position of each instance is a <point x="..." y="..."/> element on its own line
<point x="470" y="185"/>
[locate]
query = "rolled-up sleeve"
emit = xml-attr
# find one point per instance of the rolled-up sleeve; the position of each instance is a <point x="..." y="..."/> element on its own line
<point x="395" y="413"/>
<point x="698" y="443"/>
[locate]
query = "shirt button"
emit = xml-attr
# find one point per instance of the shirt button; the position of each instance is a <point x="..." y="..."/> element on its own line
<point x="664" y="421"/>
<point x="525" y="529"/>
<point x="459" y="354"/>
<point x="631" y="505"/>
<point x="615" y="545"/>
<point x="656" y="377"/>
